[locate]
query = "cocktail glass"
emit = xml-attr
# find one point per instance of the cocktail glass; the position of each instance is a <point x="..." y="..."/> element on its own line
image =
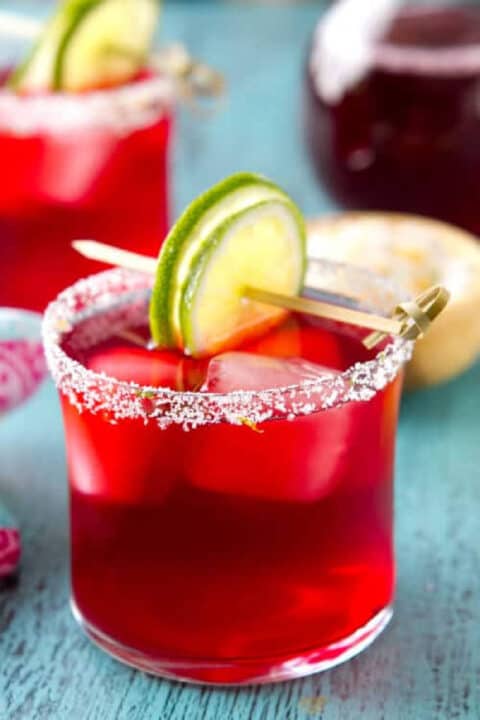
<point x="229" y="537"/>
<point x="88" y="165"/>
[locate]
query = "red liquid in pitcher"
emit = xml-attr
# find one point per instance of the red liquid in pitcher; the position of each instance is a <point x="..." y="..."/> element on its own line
<point x="406" y="137"/>
<point x="232" y="542"/>
<point x="92" y="181"/>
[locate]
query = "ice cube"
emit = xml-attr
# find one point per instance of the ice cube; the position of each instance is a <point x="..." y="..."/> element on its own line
<point x="243" y="371"/>
<point x="298" y="460"/>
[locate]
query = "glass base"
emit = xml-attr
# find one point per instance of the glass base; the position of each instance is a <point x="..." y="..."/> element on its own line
<point x="242" y="671"/>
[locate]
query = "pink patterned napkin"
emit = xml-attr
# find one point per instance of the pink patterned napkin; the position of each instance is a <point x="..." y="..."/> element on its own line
<point x="10" y="548"/>
<point x="22" y="369"/>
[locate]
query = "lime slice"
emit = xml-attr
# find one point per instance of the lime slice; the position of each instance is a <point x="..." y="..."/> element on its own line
<point x="243" y="231"/>
<point x="36" y="72"/>
<point x="187" y="237"/>
<point x="108" y="44"/>
<point x="89" y="44"/>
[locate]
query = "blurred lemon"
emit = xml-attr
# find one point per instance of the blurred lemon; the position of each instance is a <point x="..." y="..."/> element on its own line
<point x="415" y="252"/>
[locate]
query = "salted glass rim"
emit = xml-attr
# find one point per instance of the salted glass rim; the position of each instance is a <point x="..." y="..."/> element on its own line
<point x="134" y="104"/>
<point x="119" y="400"/>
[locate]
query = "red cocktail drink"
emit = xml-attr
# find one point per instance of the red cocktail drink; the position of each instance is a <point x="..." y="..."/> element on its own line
<point x="400" y="131"/>
<point x="231" y="517"/>
<point x="88" y="165"/>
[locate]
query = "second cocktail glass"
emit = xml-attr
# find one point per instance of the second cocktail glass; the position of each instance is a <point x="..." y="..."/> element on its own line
<point x="88" y="165"/>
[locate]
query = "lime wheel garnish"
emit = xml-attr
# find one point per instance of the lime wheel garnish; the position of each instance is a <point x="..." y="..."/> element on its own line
<point x="244" y="231"/>
<point x="89" y="44"/>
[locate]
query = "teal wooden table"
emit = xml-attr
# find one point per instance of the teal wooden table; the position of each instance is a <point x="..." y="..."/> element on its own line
<point x="426" y="666"/>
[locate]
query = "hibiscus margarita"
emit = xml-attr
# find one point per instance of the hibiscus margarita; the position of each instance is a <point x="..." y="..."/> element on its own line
<point x="232" y="515"/>
<point x="87" y="165"/>
<point x="84" y="137"/>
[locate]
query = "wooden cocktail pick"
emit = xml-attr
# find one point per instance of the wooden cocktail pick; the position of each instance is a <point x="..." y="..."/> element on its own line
<point x="409" y="320"/>
<point x="415" y="315"/>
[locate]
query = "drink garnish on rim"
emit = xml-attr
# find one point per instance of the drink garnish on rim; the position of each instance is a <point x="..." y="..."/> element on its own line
<point x="91" y="43"/>
<point x="234" y="263"/>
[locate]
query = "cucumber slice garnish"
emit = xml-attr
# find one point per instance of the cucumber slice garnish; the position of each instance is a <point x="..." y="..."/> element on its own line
<point x="90" y="44"/>
<point x="243" y="231"/>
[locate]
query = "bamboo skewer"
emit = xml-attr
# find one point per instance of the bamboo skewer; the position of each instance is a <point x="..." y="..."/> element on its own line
<point x="110" y="255"/>
<point x="325" y="310"/>
<point x="410" y="319"/>
<point x="416" y="315"/>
